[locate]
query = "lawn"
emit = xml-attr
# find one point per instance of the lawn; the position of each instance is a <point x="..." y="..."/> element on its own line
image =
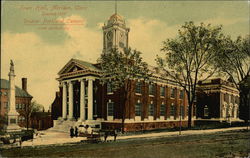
<point x="224" y="144"/>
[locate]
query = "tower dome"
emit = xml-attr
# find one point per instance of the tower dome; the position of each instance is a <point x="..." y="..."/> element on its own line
<point x="116" y="19"/>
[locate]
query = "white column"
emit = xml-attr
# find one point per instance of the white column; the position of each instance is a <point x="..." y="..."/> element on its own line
<point x="70" y="100"/>
<point x="82" y="101"/>
<point x="90" y="99"/>
<point x="64" y="101"/>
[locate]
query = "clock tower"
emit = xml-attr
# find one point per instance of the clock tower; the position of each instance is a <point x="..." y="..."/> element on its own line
<point x="115" y="34"/>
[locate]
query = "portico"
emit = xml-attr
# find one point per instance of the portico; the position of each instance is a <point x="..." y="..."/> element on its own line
<point x="77" y="99"/>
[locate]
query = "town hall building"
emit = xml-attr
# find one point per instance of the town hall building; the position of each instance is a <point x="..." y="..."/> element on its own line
<point x="82" y="99"/>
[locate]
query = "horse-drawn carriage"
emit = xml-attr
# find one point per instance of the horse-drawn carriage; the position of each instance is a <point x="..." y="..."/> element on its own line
<point x="96" y="137"/>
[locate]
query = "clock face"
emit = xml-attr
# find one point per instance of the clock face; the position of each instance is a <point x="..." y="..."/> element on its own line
<point x="109" y="35"/>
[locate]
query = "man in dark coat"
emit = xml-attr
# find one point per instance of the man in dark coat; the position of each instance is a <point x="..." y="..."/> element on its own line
<point x="71" y="132"/>
<point x="76" y="131"/>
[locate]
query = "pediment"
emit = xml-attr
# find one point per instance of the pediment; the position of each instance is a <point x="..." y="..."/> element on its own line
<point x="72" y="66"/>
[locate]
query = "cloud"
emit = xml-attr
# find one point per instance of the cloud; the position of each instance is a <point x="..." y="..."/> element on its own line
<point x="147" y="35"/>
<point x="224" y="21"/>
<point x="40" y="62"/>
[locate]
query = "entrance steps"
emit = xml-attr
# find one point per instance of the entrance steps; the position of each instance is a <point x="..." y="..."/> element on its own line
<point x="61" y="125"/>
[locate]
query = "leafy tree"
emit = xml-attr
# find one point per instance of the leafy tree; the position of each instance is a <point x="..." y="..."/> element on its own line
<point x="29" y="110"/>
<point x="233" y="60"/>
<point x="3" y="121"/>
<point x="188" y="58"/>
<point x="118" y="70"/>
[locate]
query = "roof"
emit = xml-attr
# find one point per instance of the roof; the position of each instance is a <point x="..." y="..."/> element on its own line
<point x="116" y="16"/>
<point x="87" y="64"/>
<point x="4" y="84"/>
<point x="82" y="64"/>
<point x="116" y="19"/>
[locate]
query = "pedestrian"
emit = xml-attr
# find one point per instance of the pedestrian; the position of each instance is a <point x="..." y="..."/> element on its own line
<point x="20" y="142"/>
<point x="76" y="131"/>
<point x="71" y="132"/>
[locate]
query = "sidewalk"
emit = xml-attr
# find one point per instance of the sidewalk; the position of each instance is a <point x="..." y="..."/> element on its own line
<point x="52" y="137"/>
<point x="183" y="133"/>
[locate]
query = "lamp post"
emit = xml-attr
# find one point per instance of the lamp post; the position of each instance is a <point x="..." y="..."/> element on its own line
<point x="180" y="120"/>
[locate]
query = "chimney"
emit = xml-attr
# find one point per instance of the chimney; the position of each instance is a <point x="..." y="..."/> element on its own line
<point x="24" y="84"/>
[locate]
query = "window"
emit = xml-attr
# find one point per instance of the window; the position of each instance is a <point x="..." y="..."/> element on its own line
<point x="162" y="91"/>
<point x="17" y="106"/>
<point x="181" y="94"/>
<point x="206" y="112"/>
<point x="232" y="99"/>
<point x="86" y="90"/>
<point x="151" y="89"/>
<point x="110" y="109"/>
<point x="138" y="87"/>
<point x="109" y="88"/>
<point x="95" y="108"/>
<point x="182" y="111"/>
<point x="173" y="92"/>
<point x="236" y="99"/>
<point x="226" y="98"/>
<point x="172" y="109"/>
<point x="151" y="109"/>
<point x="67" y="108"/>
<point x="138" y="108"/>
<point x="163" y="109"/>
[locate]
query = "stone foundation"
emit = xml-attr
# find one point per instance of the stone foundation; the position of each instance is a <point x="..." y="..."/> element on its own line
<point x="139" y="126"/>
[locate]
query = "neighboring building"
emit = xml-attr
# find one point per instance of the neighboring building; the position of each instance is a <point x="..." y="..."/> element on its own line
<point x="218" y="100"/>
<point x="23" y="99"/>
<point x="41" y="120"/>
<point x="56" y="106"/>
<point x="83" y="100"/>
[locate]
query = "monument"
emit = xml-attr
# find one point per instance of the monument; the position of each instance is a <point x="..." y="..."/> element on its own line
<point x="12" y="113"/>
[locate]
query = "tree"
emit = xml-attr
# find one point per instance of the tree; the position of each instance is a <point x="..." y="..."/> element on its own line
<point x="119" y="68"/>
<point x="188" y="58"/>
<point x="29" y="110"/>
<point x="3" y="121"/>
<point x="233" y="60"/>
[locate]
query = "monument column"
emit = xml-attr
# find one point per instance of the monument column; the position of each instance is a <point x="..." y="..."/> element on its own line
<point x="12" y="113"/>
<point x="82" y="100"/>
<point x="64" y="101"/>
<point x="70" y="100"/>
<point x="90" y="99"/>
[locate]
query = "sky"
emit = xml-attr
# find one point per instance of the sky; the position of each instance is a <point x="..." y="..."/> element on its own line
<point x="40" y="51"/>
